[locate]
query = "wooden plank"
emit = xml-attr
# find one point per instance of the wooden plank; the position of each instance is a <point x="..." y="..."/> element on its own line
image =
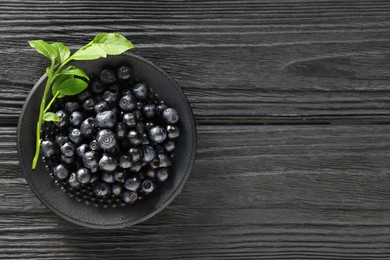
<point x="239" y="62"/>
<point x="294" y="92"/>
<point x="282" y="192"/>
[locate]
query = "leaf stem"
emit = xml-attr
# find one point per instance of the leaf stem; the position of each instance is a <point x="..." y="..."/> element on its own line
<point x="51" y="102"/>
<point x="40" y="119"/>
<point x="57" y="72"/>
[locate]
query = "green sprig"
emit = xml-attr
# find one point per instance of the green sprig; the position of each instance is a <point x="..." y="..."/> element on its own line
<point x="70" y="80"/>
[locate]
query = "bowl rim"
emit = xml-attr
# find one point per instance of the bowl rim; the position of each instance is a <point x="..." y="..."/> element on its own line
<point x="124" y="224"/>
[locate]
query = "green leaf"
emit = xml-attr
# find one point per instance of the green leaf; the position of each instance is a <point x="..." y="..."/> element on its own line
<point x="50" y="116"/>
<point x="112" y="43"/>
<point x="91" y="52"/>
<point x="72" y="86"/>
<point x="72" y="70"/>
<point x="44" y="48"/>
<point x="57" y="82"/>
<point x="62" y="51"/>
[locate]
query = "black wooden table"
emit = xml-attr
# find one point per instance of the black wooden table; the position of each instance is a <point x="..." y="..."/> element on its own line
<point x="292" y="104"/>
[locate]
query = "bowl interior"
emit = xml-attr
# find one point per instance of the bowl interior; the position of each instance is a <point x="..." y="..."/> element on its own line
<point x="87" y="215"/>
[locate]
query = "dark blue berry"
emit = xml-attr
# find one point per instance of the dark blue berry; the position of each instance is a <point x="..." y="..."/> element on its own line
<point x="141" y="91"/>
<point x="155" y="163"/>
<point x="94" y="145"/>
<point x="61" y="139"/>
<point x="157" y="134"/>
<point x="90" y="161"/>
<point x="125" y="92"/>
<point x="127" y="103"/>
<point x="82" y="149"/>
<point x="107" y="76"/>
<point x="106" y="139"/>
<point x="136" y="167"/>
<point x="70" y="107"/>
<point x="98" y="98"/>
<point x="151" y="173"/>
<point x="132" y="184"/>
<point x="94" y="178"/>
<point x="114" y="151"/>
<point x="114" y="88"/>
<point x="75" y="136"/>
<point x="101" y="189"/>
<point x="108" y="177"/>
<point x="173" y="131"/>
<point x="121" y="131"/>
<point x="144" y="138"/>
<point x="159" y="149"/>
<point x="129" y="196"/>
<point x="101" y="106"/>
<point x="89" y="104"/>
<point x="73" y="181"/>
<point x="116" y="189"/>
<point x="76" y="118"/>
<point x="88" y="127"/>
<point x="119" y="176"/>
<point x="125" y="161"/>
<point x="149" y="111"/>
<point x="162" y="175"/>
<point x="160" y="108"/>
<point x="164" y="160"/>
<point x="147" y="186"/>
<point x="169" y="146"/>
<point x="47" y="148"/>
<point x="64" y="119"/>
<point x="111" y="98"/>
<point x="83" y="96"/>
<point x="97" y="87"/>
<point x="135" y="153"/>
<point x="134" y="138"/>
<point x="68" y="149"/>
<point x="129" y="120"/>
<point x="67" y="160"/>
<point x="149" y="153"/>
<point x="170" y="116"/>
<point x="105" y="119"/>
<point x="60" y="171"/>
<point x="123" y="73"/>
<point x="107" y="163"/>
<point x="83" y="175"/>
<point x="149" y="125"/>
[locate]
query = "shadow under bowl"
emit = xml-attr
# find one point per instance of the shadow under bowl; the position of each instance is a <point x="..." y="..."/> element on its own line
<point x="108" y="218"/>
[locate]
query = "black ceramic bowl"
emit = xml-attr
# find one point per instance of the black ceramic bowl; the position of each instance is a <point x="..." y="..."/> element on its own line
<point x="98" y="217"/>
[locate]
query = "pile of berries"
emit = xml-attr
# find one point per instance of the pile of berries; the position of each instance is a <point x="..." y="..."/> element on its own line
<point x="114" y="142"/>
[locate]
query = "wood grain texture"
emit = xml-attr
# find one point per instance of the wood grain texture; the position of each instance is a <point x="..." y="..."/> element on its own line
<point x="310" y="191"/>
<point x="312" y="184"/>
<point x="254" y="61"/>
